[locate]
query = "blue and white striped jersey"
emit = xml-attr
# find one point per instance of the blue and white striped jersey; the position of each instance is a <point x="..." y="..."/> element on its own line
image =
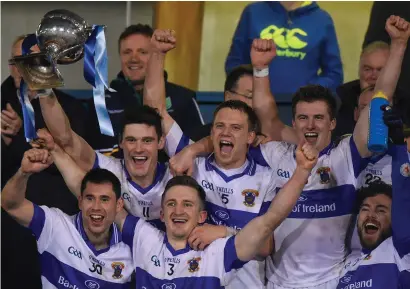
<point x="69" y="260"/>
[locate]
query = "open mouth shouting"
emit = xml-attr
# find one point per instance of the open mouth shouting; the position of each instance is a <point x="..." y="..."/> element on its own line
<point x="96" y="219"/>
<point x="225" y="147"/>
<point x="371" y="227"/>
<point x="311" y="137"/>
<point x="139" y="160"/>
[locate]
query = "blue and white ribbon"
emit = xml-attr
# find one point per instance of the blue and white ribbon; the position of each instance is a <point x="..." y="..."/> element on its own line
<point x="28" y="111"/>
<point x="96" y="74"/>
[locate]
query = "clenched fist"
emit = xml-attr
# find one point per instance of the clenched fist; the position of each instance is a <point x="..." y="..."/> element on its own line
<point x="262" y="52"/>
<point x="44" y="140"/>
<point x="163" y="40"/>
<point x="398" y="29"/>
<point x="35" y="160"/>
<point x="306" y="156"/>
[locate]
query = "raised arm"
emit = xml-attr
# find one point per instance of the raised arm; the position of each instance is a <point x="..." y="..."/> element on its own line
<point x="13" y="199"/>
<point x="252" y="237"/>
<point x="71" y="172"/>
<point x="59" y="126"/>
<point x="401" y="199"/>
<point x="399" y="31"/>
<point x="263" y="51"/>
<point x="162" y="41"/>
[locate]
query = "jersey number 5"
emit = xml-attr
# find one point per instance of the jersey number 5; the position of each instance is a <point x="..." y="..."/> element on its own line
<point x="224" y="198"/>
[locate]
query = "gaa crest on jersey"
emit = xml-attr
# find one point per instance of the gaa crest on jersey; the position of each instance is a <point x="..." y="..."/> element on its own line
<point x="324" y="174"/>
<point x="118" y="267"/>
<point x="250" y="197"/>
<point x="194" y="264"/>
<point x="405" y="170"/>
<point x="368" y="257"/>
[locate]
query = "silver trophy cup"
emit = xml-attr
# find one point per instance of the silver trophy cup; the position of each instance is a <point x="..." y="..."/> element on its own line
<point x="61" y="36"/>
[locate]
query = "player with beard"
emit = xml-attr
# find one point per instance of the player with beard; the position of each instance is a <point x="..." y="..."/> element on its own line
<point x="310" y="243"/>
<point x="384" y="232"/>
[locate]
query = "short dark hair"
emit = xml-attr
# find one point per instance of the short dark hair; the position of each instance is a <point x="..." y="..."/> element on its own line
<point x="143" y="114"/>
<point x="312" y="93"/>
<point x="375" y="188"/>
<point x="186" y="181"/>
<point x="253" y="120"/>
<point x="235" y="74"/>
<point x="140" y="29"/>
<point x="102" y="176"/>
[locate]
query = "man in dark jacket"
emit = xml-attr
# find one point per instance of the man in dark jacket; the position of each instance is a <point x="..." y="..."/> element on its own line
<point x="134" y="47"/>
<point x="372" y="60"/>
<point x="382" y="10"/>
<point x="19" y="251"/>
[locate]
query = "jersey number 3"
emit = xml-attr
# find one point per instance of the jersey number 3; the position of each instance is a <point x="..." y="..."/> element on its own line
<point x="171" y="269"/>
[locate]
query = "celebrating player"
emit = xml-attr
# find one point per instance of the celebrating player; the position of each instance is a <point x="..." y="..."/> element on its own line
<point x="78" y="251"/>
<point x="310" y="243"/>
<point x="167" y="259"/>
<point x="142" y="178"/>
<point x="384" y="232"/>
<point x="237" y="189"/>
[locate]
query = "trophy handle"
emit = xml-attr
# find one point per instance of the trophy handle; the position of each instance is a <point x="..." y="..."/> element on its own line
<point x="60" y="56"/>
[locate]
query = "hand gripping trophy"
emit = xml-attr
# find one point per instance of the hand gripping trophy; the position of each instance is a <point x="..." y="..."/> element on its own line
<point x="64" y="38"/>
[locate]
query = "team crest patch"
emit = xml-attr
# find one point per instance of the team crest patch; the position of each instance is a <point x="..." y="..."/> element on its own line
<point x="194" y="264"/>
<point x="405" y="170"/>
<point x="118" y="267"/>
<point x="324" y="174"/>
<point x="250" y="196"/>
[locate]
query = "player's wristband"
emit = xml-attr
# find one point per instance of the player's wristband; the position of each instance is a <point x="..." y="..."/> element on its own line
<point x="231" y="232"/>
<point x="261" y="72"/>
<point x="44" y="93"/>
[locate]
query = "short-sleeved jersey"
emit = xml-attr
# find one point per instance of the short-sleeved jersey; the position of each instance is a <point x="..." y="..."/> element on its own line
<point x="69" y="260"/>
<point x="381" y="268"/>
<point x="141" y="202"/>
<point x="310" y="243"/>
<point x="378" y="169"/>
<point x="233" y="198"/>
<point x="158" y="265"/>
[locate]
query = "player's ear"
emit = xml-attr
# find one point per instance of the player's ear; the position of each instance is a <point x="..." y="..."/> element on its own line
<point x="80" y="199"/>
<point x="333" y="124"/>
<point x="161" y="216"/>
<point x="251" y="137"/>
<point x="202" y="216"/>
<point x="161" y="142"/>
<point x="120" y="205"/>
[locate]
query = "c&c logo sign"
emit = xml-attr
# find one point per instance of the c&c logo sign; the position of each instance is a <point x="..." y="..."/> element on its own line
<point x="286" y="40"/>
